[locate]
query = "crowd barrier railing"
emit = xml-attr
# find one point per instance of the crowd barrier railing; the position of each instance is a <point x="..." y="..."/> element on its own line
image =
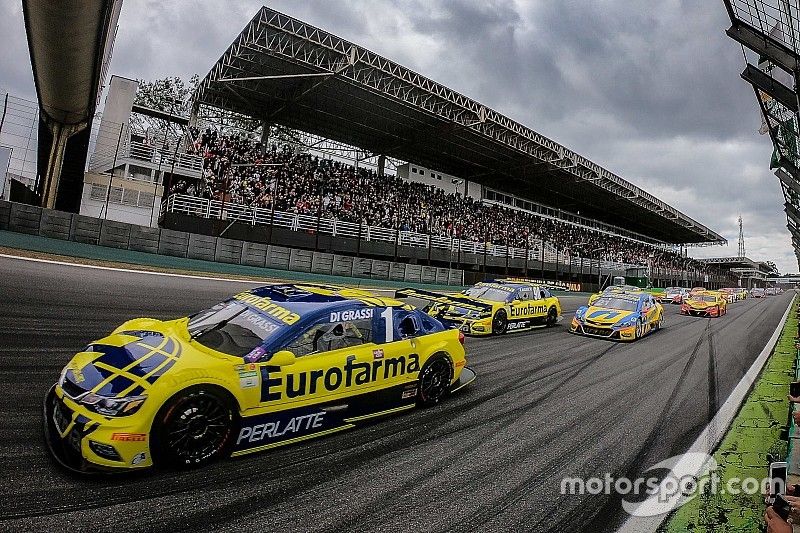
<point x="536" y="251"/>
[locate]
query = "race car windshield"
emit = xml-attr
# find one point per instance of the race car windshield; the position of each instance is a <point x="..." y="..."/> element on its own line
<point x="706" y="298"/>
<point x="233" y="328"/>
<point x="488" y="293"/>
<point x="622" y="304"/>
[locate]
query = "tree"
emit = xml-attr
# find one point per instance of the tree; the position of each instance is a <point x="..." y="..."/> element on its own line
<point x="170" y="95"/>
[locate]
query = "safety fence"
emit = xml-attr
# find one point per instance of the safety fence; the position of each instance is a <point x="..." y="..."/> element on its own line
<point x="537" y="250"/>
<point x="33" y="220"/>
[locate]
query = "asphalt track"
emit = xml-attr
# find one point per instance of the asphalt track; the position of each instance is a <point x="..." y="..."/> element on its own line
<point x="546" y="405"/>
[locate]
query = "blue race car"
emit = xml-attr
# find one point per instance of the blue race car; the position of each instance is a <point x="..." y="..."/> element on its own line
<point x="625" y="316"/>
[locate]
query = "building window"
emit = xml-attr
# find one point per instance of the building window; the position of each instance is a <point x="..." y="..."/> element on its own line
<point x="421" y="172"/>
<point x="414" y="170"/>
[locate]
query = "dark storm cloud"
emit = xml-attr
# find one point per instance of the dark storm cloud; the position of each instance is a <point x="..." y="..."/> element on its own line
<point x="650" y="90"/>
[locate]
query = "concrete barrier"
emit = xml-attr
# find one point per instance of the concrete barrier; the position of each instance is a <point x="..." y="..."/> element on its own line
<point x="55" y="224"/>
<point x="115" y="235"/>
<point x="5" y="214"/>
<point x="254" y="254"/>
<point x="278" y="257"/>
<point x="174" y="243"/>
<point x="85" y="229"/>
<point x="300" y="260"/>
<point x="144" y="239"/>
<point x="25" y="219"/>
<point x="32" y="220"/>
<point x="229" y="251"/>
<point x="201" y="247"/>
<point x="322" y="263"/>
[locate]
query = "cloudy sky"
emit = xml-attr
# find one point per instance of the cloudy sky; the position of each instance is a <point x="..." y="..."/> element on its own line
<point x="650" y="90"/>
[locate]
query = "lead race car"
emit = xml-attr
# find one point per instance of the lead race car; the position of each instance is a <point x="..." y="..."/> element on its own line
<point x="492" y="308"/>
<point x="271" y="366"/>
<point x="624" y="316"/>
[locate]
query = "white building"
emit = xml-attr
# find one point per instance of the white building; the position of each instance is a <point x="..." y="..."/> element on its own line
<point x="133" y="165"/>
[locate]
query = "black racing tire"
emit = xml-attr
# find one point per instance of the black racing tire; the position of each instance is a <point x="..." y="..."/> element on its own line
<point x="193" y="428"/>
<point x="639" y="330"/>
<point x="659" y="323"/>
<point x="552" y="317"/>
<point x="434" y="380"/>
<point x="500" y="323"/>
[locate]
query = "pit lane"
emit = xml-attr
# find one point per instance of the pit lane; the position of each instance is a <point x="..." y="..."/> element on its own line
<point x="546" y="405"/>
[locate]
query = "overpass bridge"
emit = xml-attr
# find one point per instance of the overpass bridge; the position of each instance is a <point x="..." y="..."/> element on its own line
<point x="70" y="44"/>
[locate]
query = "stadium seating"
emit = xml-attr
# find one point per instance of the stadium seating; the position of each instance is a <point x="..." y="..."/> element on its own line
<point x="238" y="169"/>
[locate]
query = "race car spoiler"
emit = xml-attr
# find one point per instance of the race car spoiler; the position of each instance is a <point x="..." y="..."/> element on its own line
<point x="445" y="299"/>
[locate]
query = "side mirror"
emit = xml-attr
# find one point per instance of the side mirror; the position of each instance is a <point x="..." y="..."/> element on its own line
<point x="282" y="358"/>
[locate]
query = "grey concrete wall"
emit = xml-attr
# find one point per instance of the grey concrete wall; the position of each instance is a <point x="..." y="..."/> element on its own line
<point x="32" y="220"/>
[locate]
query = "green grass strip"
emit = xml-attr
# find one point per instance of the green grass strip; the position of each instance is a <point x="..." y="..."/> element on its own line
<point x="754" y="434"/>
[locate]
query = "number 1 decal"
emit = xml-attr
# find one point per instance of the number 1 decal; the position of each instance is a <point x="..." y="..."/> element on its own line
<point x="389" y="323"/>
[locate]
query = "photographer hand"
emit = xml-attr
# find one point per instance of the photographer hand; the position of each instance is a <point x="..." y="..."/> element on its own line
<point x="776" y="524"/>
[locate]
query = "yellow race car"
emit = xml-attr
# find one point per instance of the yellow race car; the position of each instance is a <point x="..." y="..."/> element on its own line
<point x="620" y="316"/>
<point x="705" y="303"/>
<point x="492" y="308"/>
<point x="615" y="289"/>
<point x="271" y="366"/>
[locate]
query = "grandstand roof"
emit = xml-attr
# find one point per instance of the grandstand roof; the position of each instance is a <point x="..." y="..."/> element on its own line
<point x="323" y="84"/>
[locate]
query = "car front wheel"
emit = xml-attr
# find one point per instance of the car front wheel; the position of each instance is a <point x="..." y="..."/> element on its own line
<point x="499" y="323"/>
<point x="194" y="428"/>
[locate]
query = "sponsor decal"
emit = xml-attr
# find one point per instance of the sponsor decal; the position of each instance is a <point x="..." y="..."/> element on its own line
<point x="138" y="458"/>
<point x="522" y="324"/>
<point x="275" y="387"/>
<point x="260" y="321"/>
<point x="281" y="426"/>
<point x="269" y="307"/>
<point x="248" y="375"/>
<point x="528" y="310"/>
<point x="351" y="314"/>
<point x="129" y="437"/>
<point x="377" y="354"/>
<point x="410" y="393"/>
<point x="255" y="355"/>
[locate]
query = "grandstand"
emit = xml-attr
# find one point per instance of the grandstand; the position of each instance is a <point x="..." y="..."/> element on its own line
<point x="480" y="192"/>
<point x="285" y="71"/>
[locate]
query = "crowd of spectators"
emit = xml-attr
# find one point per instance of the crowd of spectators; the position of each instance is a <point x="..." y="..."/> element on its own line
<point x="238" y="169"/>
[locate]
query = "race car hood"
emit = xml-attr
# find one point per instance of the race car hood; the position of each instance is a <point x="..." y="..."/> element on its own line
<point x="602" y="316"/>
<point x="127" y="362"/>
<point x="699" y="304"/>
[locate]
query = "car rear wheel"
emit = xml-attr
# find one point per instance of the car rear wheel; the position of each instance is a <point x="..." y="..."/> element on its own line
<point x="552" y="317"/>
<point x="194" y="428"/>
<point x="434" y="380"/>
<point x="499" y="322"/>
<point x="639" y="330"/>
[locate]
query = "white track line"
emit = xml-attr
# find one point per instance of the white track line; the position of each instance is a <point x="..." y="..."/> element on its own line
<point x="129" y="270"/>
<point x="386" y="292"/>
<point x="707" y="441"/>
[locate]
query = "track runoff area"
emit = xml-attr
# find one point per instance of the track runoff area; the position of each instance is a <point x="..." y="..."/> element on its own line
<point x="546" y="405"/>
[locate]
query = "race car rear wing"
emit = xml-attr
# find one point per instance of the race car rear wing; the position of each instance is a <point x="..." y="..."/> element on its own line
<point x="445" y="299"/>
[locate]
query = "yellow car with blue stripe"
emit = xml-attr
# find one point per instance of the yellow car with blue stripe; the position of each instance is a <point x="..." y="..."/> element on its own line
<point x="268" y="367"/>
<point x="492" y="307"/>
<point x="620" y="316"/>
<point x="615" y="289"/>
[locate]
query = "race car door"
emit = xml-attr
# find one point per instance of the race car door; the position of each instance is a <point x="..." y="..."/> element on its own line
<point x="649" y="311"/>
<point x="526" y="308"/>
<point x="333" y="359"/>
<point x="328" y="380"/>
